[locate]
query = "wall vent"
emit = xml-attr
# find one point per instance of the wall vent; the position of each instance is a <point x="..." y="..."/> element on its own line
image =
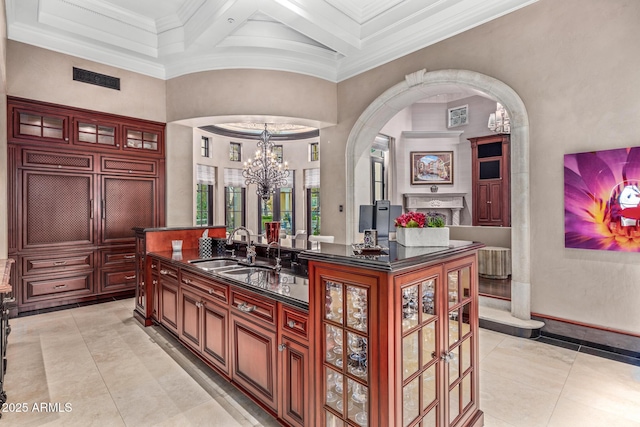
<point x="97" y="79"/>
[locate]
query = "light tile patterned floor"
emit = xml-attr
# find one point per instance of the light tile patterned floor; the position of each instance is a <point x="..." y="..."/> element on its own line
<point x="113" y="372"/>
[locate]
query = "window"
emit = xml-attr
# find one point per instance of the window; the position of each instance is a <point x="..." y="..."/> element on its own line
<point x="314" y="152"/>
<point x="313" y="211"/>
<point x="204" y="147"/>
<point x="234" y="215"/>
<point x="204" y="204"/>
<point x="279" y="207"/>
<point x="377" y="176"/>
<point x="277" y="150"/>
<point x="235" y="151"/>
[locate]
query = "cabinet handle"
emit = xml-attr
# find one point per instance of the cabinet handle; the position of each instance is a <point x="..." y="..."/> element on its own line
<point x="489" y="202"/>
<point x="210" y="291"/>
<point x="8" y="300"/>
<point x="282" y="346"/>
<point x="129" y="256"/>
<point x="291" y="324"/>
<point x="59" y="262"/>
<point x="187" y="281"/>
<point x="154" y="281"/>
<point x="60" y="286"/>
<point x="129" y="277"/>
<point x="154" y="266"/>
<point x="447" y="357"/>
<point x="91" y="208"/>
<point x="164" y="272"/>
<point x="104" y="210"/>
<point x="245" y="308"/>
<point x="198" y="304"/>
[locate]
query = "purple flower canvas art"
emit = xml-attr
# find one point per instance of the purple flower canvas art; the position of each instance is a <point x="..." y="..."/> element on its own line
<point x="602" y="200"/>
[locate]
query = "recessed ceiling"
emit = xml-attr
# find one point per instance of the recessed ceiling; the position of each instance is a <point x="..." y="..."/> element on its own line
<point x="329" y="39"/>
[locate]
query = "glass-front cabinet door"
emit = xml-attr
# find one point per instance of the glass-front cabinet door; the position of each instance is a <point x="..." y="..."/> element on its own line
<point x="346" y="353"/>
<point x="460" y="340"/>
<point x="420" y="324"/>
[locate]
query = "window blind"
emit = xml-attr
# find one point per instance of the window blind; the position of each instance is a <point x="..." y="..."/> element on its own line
<point x="206" y="175"/>
<point x="312" y="178"/>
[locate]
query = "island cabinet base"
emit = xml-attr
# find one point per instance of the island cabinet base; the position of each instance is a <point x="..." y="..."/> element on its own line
<point x="260" y="345"/>
<point x="396" y="346"/>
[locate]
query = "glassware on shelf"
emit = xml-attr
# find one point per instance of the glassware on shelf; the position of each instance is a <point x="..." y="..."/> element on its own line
<point x="333" y="301"/>
<point x="428" y="298"/>
<point x="357" y="354"/>
<point x="360" y="399"/>
<point x="337" y="381"/>
<point x="330" y="381"/>
<point x="357" y="308"/>
<point x="409" y="307"/>
<point x="452" y="281"/>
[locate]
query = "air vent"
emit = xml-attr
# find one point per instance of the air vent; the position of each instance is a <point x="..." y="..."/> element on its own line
<point x="86" y="76"/>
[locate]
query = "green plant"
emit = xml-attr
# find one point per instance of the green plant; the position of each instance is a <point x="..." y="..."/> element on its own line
<point x="435" y="220"/>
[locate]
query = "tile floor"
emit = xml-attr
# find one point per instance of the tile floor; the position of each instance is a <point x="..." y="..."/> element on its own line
<point x="113" y="372"/>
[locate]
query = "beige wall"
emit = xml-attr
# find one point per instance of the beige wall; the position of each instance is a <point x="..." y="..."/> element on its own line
<point x="252" y="92"/>
<point x="44" y="75"/>
<point x="573" y="63"/>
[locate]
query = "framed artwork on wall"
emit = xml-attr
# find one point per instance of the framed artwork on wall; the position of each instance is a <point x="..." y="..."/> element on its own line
<point x="602" y="200"/>
<point x="458" y="116"/>
<point x="431" y="167"/>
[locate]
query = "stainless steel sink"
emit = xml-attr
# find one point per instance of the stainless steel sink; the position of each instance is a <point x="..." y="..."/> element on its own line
<point x="214" y="264"/>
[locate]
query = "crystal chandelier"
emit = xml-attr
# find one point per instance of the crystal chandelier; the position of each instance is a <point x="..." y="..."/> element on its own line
<point x="264" y="170"/>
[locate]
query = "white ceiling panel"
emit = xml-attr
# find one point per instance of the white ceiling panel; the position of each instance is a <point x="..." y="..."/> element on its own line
<point x="329" y="39"/>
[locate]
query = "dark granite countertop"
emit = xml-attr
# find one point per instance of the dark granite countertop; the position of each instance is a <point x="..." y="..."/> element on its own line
<point x="391" y="257"/>
<point x="284" y="286"/>
<point x="149" y="229"/>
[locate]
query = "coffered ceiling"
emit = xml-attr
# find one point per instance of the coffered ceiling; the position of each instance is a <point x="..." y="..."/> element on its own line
<point x="330" y="39"/>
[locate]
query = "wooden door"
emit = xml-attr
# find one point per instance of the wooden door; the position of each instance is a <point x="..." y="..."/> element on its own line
<point x="215" y="340"/>
<point x="254" y="358"/>
<point x="127" y="202"/>
<point x="57" y="209"/>
<point x="190" y="312"/>
<point x="168" y="303"/>
<point x="295" y="385"/>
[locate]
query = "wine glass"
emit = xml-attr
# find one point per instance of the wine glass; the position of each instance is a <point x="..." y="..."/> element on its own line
<point x="360" y="396"/>
<point x="331" y="382"/>
<point x="358" y="356"/>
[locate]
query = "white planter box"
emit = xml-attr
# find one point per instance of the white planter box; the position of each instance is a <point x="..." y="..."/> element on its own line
<point x="428" y="236"/>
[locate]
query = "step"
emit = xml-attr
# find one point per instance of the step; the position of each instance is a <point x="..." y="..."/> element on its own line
<point x="501" y="320"/>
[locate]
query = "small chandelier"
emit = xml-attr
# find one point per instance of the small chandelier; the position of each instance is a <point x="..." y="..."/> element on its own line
<point x="264" y="170"/>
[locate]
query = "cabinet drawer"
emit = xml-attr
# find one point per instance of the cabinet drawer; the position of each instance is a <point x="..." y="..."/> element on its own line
<point x="168" y="270"/>
<point x="128" y="166"/>
<point x="155" y="265"/>
<point x="217" y="291"/>
<point x="47" y="263"/>
<point x="111" y="257"/>
<point x="35" y="289"/>
<point x="57" y="160"/>
<point x="294" y="322"/>
<point x="112" y="280"/>
<point x="253" y="307"/>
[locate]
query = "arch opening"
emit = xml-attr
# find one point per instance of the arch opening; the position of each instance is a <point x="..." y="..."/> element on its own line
<point x="418" y="85"/>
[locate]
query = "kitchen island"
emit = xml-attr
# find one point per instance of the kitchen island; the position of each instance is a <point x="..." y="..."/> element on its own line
<point x="334" y="338"/>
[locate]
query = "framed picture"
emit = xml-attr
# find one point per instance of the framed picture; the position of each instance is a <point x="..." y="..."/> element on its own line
<point x="458" y="116"/>
<point x="431" y="167"/>
<point x="602" y="200"/>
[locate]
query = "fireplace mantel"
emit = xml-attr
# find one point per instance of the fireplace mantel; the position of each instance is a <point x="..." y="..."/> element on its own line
<point x="452" y="202"/>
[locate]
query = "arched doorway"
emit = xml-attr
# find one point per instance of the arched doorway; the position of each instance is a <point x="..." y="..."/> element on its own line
<point x="411" y="90"/>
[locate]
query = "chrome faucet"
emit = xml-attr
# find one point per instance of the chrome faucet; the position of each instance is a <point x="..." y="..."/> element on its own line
<point x="278" y="266"/>
<point x="251" y="249"/>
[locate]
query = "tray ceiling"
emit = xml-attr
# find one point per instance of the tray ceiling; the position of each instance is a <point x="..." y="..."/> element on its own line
<point x="329" y="39"/>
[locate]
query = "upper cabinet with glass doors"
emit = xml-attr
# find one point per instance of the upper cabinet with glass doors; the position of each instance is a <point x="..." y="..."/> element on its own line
<point x="34" y="123"/>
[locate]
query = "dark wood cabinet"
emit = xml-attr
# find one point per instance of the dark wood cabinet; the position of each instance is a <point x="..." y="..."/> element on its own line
<point x="295" y="382"/>
<point x="168" y="303"/>
<point x="254" y="355"/>
<point x="424" y="319"/>
<point x="74" y="187"/>
<point x="490" y="169"/>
